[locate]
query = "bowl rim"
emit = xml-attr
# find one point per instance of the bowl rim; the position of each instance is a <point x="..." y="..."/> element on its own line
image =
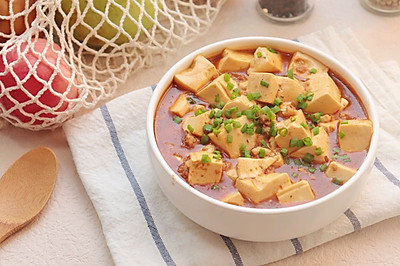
<point x="252" y="42"/>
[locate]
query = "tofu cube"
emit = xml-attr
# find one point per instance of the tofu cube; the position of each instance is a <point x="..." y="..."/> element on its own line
<point x="197" y="123"/>
<point x="338" y="170"/>
<point x="357" y="135"/>
<point x="201" y="173"/>
<point x="326" y="97"/>
<point x="238" y="138"/>
<point x="241" y="102"/>
<point x="289" y="89"/>
<point x="197" y="75"/>
<point x="321" y="140"/>
<point x="213" y="93"/>
<point x="295" y="129"/>
<point x="181" y="106"/>
<point x="302" y="65"/>
<point x="234" y="198"/>
<point x="234" y="61"/>
<point x="263" y="187"/>
<point x="299" y="191"/>
<point x="265" y="61"/>
<point x="329" y="126"/>
<point x="250" y="167"/>
<point x="264" y="83"/>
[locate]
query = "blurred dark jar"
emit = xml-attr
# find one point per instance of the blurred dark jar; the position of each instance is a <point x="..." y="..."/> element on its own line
<point x="285" y="10"/>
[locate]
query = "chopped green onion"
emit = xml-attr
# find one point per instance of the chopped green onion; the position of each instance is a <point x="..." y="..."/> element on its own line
<point x="230" y="86"/>
<point x="272" y="50"/>
<point x="316" y="117"/>
<point x="207" y="128"/>
<point x="190" y="128"/>
<point x="307" y="141"/>
<point x="312" y="169"/>
<point x="190" y="100"/>
<point x="215" y="187"/>
<point x="199" y="112"/>
<point x="228" y="128"/>
<point x="259" y="54"/>
<point x="219" y="113"/>
<point x="303" y="124"/>
<point x="302" y="105"/>
<point x="318" y="151"/>
<point x="216" y="99"/>
<point x="229" y="139"/>
<point x="177" y="119"/>
<point x="284" y="152"/>
<point x="290" y="73"/>
<point x="297" y="162"/>
<point x="260" y="130"/>
<point x="273" y="130"/>
<point x="309" y="95"/>
<point x="205" y="158"/>
<point x="313" y="71"/>
<point x="283" y="131"/>
<point x="275" y="109"/>
<point x="308" y="158"/>
<point x="323" y="167"/>
<point x="295" y="175"/>
<point x="253" y="96"/>
<point x="204" y="139"/>
<point x="227" y="77"/>
<point x="261" y="153"/>
<point x="246" y="154"/>
<point x="212" y="113"/>
<point x="242" y="147"/>
<point x="293" y="142"/>
<point x="264" y="83"/>
<point x="236" y="124"/>
<point x="337" y="181"/>
<point x="277" y="101"/>
<point x="341" y="134"/>
<point x="315" y="131"/>
<point x="217" y="155"/>
<point x="344" y="122"/>
<point x="263" y="143"/>
<point x="292" y="118"/>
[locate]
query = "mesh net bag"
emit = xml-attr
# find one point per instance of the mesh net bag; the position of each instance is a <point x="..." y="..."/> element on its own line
<point x="60" y="56"/>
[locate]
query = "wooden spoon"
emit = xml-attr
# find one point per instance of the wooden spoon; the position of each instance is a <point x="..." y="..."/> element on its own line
<point x="25" y="189"/>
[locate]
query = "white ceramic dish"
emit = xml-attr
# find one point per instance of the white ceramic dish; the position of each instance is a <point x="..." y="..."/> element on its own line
<point x="259" y="224"/>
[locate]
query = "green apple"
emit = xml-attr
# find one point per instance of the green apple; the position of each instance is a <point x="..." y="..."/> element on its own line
<point x="109" y="28"/>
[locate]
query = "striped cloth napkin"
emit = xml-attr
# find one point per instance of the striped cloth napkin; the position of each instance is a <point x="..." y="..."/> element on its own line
<point x="142" y="227"/>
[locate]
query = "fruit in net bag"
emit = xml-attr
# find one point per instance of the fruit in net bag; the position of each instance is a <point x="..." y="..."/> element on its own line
<point x="17" y="21"/>
<point x="106" y="19"/>
<point x="37" y="86"/>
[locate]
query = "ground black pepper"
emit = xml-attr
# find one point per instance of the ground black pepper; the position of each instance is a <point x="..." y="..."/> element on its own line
<point x="284" y="8"/>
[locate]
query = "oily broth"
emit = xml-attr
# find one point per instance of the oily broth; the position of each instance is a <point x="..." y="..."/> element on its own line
<point x="169" y="138"/>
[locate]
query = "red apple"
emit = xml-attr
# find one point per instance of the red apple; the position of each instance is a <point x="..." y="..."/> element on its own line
<point x="44" y="82"/>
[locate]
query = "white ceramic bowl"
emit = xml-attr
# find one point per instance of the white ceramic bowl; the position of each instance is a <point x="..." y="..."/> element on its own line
<point x="250" y="223"/>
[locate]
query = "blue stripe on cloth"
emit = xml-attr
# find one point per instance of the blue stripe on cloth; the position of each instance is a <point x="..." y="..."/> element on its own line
<point x="353" y="219"/>
<point x="391" y="177"/>
<point x="235" y="254"/>
<point x="135" y="186"/>
<point x="297" y="245"/>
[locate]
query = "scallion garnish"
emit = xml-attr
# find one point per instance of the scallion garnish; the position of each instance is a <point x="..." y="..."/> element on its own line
<point x="204" y="139"/>
<point x="190" y="128"/>
<point x="264" y="83"/>
<point x="205" y="158"/>
<point x="177" y="119"/>
<point x="313" y="71"/>
<point x="227" y="77"/>
<point x="308" y="158"/>
<point x="290" y="73"/>
<point x="261" y="153"/>
<point x="341" y="134"/>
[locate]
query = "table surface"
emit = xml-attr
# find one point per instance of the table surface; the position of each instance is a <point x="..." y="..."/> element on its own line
<point x="76" y="237"/>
